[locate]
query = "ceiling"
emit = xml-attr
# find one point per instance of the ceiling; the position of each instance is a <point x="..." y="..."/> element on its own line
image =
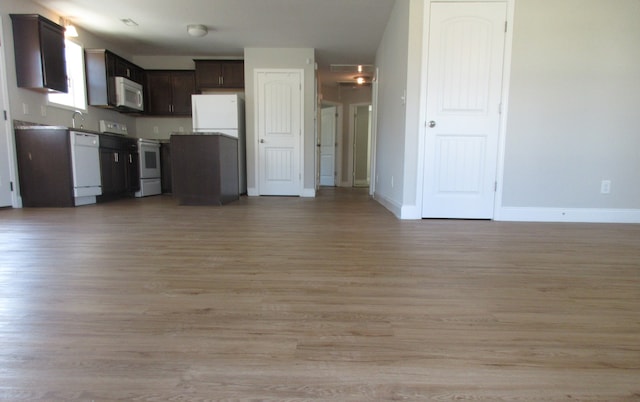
<point x="341" y="31"/>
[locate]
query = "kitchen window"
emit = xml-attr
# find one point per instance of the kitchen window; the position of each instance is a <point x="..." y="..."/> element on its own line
<point x="75" y="98"/>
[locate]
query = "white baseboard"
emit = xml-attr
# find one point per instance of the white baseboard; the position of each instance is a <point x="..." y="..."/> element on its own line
<point x="586" y="215"/>
<point x="307" y="192"/>
<point x="391" y="205"/>
<point x="410" y="212"/>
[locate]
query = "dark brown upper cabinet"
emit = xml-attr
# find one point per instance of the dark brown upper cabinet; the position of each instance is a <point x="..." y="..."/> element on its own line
<point x="168" y="92"/>
<point x="39" y="53"/>
<point x="102" y="66"/>
<point x="211" y="74"/>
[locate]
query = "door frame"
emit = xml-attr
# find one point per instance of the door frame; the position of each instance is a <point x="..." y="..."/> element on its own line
<point x="351" y="140"/>
<point x="416" y="213"/>
<point x="16" y="200"/>
<point x="373" y="129"/>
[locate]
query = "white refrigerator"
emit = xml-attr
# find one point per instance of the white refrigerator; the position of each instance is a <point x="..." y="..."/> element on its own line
<point x="223" y="113"/>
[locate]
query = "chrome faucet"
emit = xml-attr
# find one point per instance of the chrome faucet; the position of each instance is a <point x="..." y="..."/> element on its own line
<point x="73" y="118"/>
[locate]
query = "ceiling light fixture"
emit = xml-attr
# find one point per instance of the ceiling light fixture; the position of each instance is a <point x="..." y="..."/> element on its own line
<point x="197" y="30"/>
<point x="360" y="79"/>
<point x="70" y="31"/>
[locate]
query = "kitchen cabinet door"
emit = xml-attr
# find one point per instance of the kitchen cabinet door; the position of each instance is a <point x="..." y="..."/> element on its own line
<point x="119" y="167"/>
<point x="39" y="53"/>
<point x="44" y="167"/>
<point x="112" y="172"/>
<point x="132" y="166"/>
<point x="158" y="93"/>
<point x="183" y="85"/>
<point x="168" y="92"/>
<point x="124" y="68"/>
<point x="212" y="74"/>
<point x="233" y="74"/>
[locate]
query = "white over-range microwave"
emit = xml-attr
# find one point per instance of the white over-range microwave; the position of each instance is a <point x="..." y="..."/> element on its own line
<point x="129" y="94"/>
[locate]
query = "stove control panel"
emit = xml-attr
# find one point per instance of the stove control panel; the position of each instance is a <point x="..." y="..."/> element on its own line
<point x="113" y="127"/>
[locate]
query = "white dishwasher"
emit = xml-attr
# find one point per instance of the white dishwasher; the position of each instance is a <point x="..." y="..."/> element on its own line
<point x="85" y="163"/>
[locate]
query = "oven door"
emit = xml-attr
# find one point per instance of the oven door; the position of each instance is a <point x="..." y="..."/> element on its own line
<point x="149" y="152"/>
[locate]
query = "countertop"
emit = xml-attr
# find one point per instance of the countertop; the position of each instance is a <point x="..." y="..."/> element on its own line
<point x="200" y="134"/>
<point x="76" y="129"/>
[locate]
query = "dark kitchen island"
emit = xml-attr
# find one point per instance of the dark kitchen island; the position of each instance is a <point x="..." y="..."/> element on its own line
<point x="204" y="168"/>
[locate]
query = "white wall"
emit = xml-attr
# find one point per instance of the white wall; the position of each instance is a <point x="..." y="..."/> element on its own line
<point x="574" y="110"/>
<point x="298" y="58"/>
<point x="392" y="59"/>
<point x="414" y="146"/>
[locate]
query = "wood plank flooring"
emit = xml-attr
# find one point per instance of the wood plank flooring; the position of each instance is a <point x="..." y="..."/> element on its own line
<point x="325" y="299"/>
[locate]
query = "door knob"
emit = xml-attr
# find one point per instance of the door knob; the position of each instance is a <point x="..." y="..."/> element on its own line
<point x="432" y="124"/>
<point x="261" y="141"/>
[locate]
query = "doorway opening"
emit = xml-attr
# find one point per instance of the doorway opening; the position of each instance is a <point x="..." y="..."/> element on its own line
<point x="361" y="145"/>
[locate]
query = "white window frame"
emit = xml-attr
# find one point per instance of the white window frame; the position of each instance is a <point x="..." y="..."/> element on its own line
<point x="76" y="97"/>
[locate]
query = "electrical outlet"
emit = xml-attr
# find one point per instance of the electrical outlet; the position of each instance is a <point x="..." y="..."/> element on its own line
<point x="43" y="110"/>
<point x="25" y="109"/>
<point x="605" y="187"/>
<point x="156" y="130"/>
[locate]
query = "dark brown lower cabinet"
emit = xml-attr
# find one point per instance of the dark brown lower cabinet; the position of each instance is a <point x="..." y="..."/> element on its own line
<point x="204" y="169"/>
<point x="44" y="167"/>
<point x="165" y="167"/>
<point x="119" y="167"/>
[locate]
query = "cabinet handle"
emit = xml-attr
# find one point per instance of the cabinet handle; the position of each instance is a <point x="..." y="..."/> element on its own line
<point x="130" y="159"/>
<point x="115" y="157"/>
<point x="30" y="158"/>
<point x="128" y="73"/>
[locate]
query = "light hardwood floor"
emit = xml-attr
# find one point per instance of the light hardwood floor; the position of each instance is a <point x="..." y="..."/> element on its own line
<point x="332" y="298"/>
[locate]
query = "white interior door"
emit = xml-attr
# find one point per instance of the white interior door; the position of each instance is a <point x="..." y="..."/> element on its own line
<point x="328" y="146"/>
<point x="5" y="170"/>
<point x="279" y="124"/>
<point x="464" y="79"/>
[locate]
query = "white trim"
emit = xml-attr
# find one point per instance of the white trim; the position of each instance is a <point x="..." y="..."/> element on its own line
<point x="411" y="212"/>
<point x="394" y="207"/>
<point x="504" y="113"/>
<point x="374" y="131"/>
<point x="16" y="200"/>
<point x="309" y="192"/>
<point x="252" y="192"/>
<point x="582" y="215"/>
